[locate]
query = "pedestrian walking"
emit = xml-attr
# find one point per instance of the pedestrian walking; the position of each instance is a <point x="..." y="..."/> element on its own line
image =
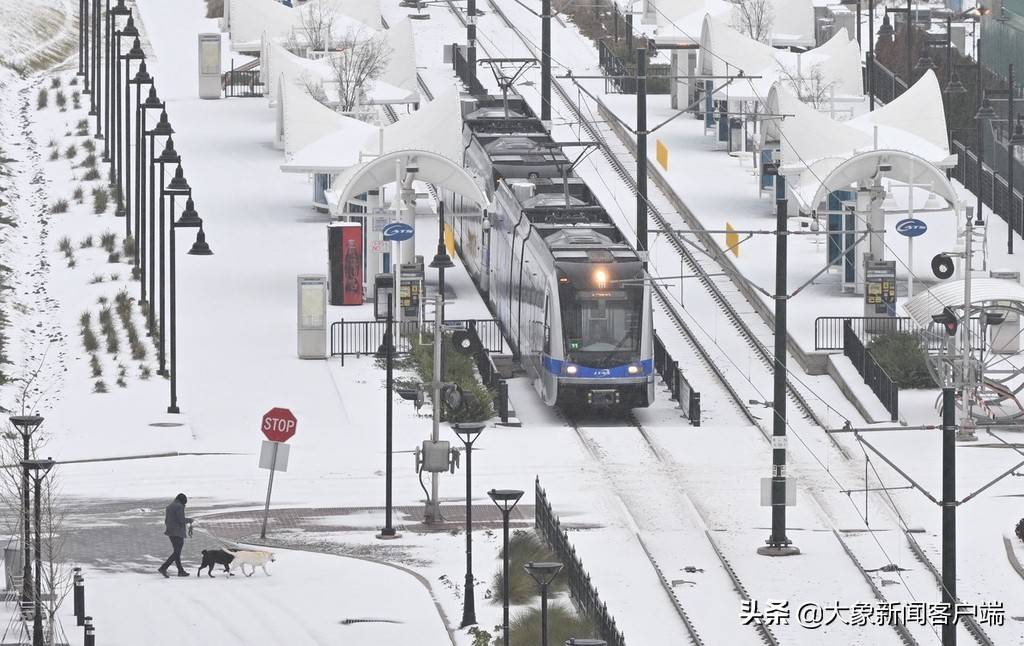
<point x="174" y="526"/>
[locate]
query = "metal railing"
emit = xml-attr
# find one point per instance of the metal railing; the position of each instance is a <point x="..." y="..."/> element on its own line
<point x="355" y="338"/>
<point x="994" y="187"/>
<point x="682" y="391"/>
<point x="462" y="70"/>
<point x="888" y="85"/>
<point x="489" y="374"/>
<point x="828" y="330"/>
<point x="613" y="65"/>
<point x="584" y="594"/>
<point x="875" y="377"/>
<point x="242" y="83"/>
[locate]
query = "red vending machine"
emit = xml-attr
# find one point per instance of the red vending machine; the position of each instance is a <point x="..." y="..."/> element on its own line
<point x="345" y="257"/>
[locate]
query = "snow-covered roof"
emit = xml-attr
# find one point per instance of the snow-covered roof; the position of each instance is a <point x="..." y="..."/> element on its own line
<point x="251" y="18"/>
<point x="334" y="152"/>
<point x="792" y="23"/>
<point x="283" y="67"/>
<point x="393" y="166"/>
<point x="435" y="127"/>
<point x="304" y="119"/>
<point x="951" y="294"/>
<point x="679" y="22"/>
<point x="401" y="68"/>
<point x="834" y="69"/>
<point x="812" y="145"/>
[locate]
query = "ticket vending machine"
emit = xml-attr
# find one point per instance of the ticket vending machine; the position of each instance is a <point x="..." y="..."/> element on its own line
<point x="209" y="66"/>
<point x="312" y="322"/>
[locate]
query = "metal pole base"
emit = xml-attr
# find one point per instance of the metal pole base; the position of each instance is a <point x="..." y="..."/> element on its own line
<point x="173" y="410"/>
<point x="966" y="436"/>
<point x="388" y="534"/>
<point x="99" y="135"/>
<point x="788" y="550"/>
<point x="93" y="112"/>
<point x="119" y="213"/>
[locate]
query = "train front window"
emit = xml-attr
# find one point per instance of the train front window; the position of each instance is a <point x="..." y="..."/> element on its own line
<point x="602" y="327"/>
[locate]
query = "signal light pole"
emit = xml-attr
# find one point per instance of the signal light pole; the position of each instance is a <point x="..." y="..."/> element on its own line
<point x="545" y="62"/>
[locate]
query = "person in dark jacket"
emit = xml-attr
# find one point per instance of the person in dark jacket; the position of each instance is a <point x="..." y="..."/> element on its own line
<point x="174" y="526"/>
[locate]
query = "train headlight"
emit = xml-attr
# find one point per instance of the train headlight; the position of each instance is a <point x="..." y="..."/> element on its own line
<point x="571" y="370"/>
<point x="633" y="370"/>
<point x="601" y="278"/>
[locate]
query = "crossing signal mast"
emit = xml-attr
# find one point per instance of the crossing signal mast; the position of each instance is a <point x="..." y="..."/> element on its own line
<point x="948" y="320"/>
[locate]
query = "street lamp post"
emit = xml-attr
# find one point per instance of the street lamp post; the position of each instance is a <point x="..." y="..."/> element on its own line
<point x="506" y="500"/>
<point x="26" y="425"/>
<point x="387" y="350"/>
<point x="95" y="97"/>
<point x="871" y="55"/>
<point x="117" y="168"/>
<point x="162" y="129"/>
<point x="189" y="219"/>
<point x="83" y="39"/>
<point x="543" y="574"/>
<point x="133" y="54"/>
<point x="441" y="262"/>
<point x="110" y="25"/>
<point x="168" y="156"/>
<point x="152" y="102"/>
<point x="468" y="432"/>
<point x="142" y="77"/>
<point x="39" y="469"/>
<point x="576" y="641"/>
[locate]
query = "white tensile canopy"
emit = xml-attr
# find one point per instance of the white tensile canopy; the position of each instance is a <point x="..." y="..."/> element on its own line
<point x="984" y="291"/>
<point x="679" y="22"/>
<point x="283" y="67"/>
<point x="435" y="127"/>
<point x="251" y="19"/>
<point x="334" y="152"/>
<point x="812" y="145"/>
<point x="401" y="69"/>
<point x="303" y="120"/>
<point x="833" y="68"/>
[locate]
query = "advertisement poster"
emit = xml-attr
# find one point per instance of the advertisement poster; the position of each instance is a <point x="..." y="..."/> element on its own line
<point x="352" y="264"/>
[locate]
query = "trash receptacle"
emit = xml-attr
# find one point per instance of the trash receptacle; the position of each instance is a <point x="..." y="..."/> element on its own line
<point x="735" y="134"/>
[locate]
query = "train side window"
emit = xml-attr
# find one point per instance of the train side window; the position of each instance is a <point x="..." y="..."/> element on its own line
<point x="547" y="323"/>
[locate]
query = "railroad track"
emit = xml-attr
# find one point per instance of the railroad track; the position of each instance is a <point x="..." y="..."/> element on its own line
<point x="631" y="501"/>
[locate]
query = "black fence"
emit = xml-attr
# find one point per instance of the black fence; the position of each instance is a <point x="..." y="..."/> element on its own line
<point x="874" y="376"/>
<point x="584" y="594"/>
<point x="489" y="374"/>
<point x="888" y="85"/>
<point x="355" y="338"/>
<point x="682" y="391"/>
<point x="994" y="187"/>
<point x="829" y="334"/>
<point x="242" y="83"/>
<point x="622" y="73"/>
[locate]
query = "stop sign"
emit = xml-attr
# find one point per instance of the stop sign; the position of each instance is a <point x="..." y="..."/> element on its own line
<point x="278" y="424"/>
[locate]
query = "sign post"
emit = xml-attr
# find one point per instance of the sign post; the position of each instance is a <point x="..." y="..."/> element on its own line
<point x="278" y="426"/>
<point x="910" y="228"/>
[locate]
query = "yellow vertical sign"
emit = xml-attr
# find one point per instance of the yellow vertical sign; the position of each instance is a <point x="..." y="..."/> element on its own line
<point x="732" y="240"/>
<point x="662" y="153"/>
<point x="449" y="240"/>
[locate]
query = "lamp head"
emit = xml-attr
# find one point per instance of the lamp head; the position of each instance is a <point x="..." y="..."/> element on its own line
<point x="543" y="573"/>
<point x="441" y="259"/>
<point x="985" y="111"/>
<point x="955" y="86"/>
<point x="199" y="247"/>
<point x="26" y="424"/>
<point x="885" y="31"/>
<point x="505" y="499"/>
<point x="468" y="431"/>
<point x="163" y="129"/>
<point x="129" y="30"/>
<point x="152" y="101"/>
<point x="142" y="76"/>
<point x="189" y="217"/>
<point x="178" y="185"/>
<point x="120" y="9"/>
<point x="169" y="154"/>
<point x="38" y="465"/>
<point x="135" y="53"/>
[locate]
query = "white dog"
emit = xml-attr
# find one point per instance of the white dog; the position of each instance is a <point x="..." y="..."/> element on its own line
<point x="253" y="558"/>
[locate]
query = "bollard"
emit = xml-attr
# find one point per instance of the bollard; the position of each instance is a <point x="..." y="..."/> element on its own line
<point x="503" y="400"/>
<point x="90" y="632"/>
<point x="79" y="599"/>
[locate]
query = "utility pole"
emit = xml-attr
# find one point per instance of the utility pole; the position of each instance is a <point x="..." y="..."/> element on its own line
<point x="388" y="530"/>
<point x="778" y="544"/>
<point x="471" y="41"/>
<point x="641" y="154"/>
<point x="1010" y="219"/>
<point x="433" y="511"/>
<point x="871" y="55"/>
<point x="966" y="426"/>
<point x="949" y="512"/>
<point x="545" y="62"/>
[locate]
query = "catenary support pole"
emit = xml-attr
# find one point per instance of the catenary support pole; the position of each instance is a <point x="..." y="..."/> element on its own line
<point x="641" y="156"/>
<point x="545" y="62"/>
<point x="470" y="42"/>
<point x="871" y="55"/>
<point x="778" y="544"/>
<point x="433" y="513"/>
<point x="949" y="512"/>
<point x="469" y="602"/>
<point x="1010" y="162"/>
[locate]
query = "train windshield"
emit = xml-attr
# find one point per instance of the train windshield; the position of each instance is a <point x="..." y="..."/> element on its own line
<point x="602" y="327"/>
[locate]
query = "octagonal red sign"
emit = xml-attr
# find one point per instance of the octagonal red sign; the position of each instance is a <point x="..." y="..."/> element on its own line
<point x="278" y="424"/>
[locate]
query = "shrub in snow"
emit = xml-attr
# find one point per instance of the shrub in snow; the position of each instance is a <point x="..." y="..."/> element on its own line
<point x="73" y="81"/>
<point x="54" y="155"/>
<point x="83" y="124"/>
<point x="904" y="358"/>
<point x="79" y="197"/>
<point x="99" y="386"/>
<point x="60" y="206"/>
<point x="42" y="99"/>
<point x="91" y="174"/>
<point x="62" y="101"/>
<point x="96" y="279"/>
<point x="99" y="200"/>
<point x="97" y="369"/>
<point x="65" y="246"/>
<point x="115" y="277"/>
<point x="89" y="145"/>
<point x="71" y="152"/>
<point x="563" y="624"/>
<point x="1020" y="529"/>
<point x="89" y="340"/>
<point x="89" y="161"/>
<point x="523" y="547"/>
<point x="55" y="82"/>
<point x="121" y="382"/>
<point x="114" y="257"/>
<point x="460" y="369"/>
<point x="128" y="247"/>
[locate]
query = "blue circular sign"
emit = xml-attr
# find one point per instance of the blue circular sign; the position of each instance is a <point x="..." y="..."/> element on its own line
<point x="911" y="227"/>
<point x="398" y="231"/>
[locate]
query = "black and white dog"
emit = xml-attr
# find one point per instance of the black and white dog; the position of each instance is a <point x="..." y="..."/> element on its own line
<point x="216" y="557"/>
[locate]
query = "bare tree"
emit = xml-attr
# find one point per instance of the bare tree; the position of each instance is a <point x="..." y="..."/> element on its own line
<point x="754" y="18"/>
<point x="316" y="21"/>
<point x="358" y="61"/>
<point x="810" y="87"/>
